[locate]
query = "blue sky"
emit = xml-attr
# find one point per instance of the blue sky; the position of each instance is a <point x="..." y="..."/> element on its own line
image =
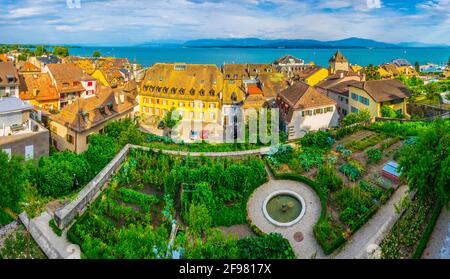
<point x="126" y="22"/>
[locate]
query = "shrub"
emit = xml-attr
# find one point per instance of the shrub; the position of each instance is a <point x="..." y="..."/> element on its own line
<point x="54" y="227"/>
<point x="328" y="179"/>
<point x="352" y="169"/>
<point x="353" y="118"/>
<point x="374" y="155"/>
<point x="319" y="139"/>
<point x="387" y="111"/>
<point x="269" y="246"/>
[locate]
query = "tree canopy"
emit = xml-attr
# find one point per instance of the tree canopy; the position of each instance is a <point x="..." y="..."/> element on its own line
<point x="13" y="179"/>
<point x="96" y="54"/>
<point x="425" y="165"/>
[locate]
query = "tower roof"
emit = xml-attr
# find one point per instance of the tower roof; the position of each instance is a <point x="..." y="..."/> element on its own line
<point x="338" y="57"/>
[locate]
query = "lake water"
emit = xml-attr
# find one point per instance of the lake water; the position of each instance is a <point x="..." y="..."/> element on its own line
<point x="147" y="56"/>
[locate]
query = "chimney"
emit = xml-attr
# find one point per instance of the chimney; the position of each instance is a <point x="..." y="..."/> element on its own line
<point x="116" y="97"/>
<point x="363" y="77"/>
<point x="341" y="75"/>
<point x="122" y="97"/>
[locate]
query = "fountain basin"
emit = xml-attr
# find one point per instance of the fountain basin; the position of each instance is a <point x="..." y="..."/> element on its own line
<point x="284" y="208"/>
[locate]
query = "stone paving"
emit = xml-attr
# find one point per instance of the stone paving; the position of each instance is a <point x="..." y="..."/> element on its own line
<point x="308" y="247"/>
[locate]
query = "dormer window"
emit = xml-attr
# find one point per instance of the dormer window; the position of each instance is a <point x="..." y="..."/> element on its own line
<point x="173" y="90"/>
<point x="212" y="92"/>
<point x="152" y="88"/>
<point x="160" y="78"/>
<point x="166" y="89"/>
<point x="10" y="78"/>
<point x="234" y="96"/>
<point x="202" y="92"/>
<point x="236" y="76"/>
<point x="65" y="84"/>
<point x="192" y="91"/>
<point x="181" y="91"/>
<point x="228" y="75"/>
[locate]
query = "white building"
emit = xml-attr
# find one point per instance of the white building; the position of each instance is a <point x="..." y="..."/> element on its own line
<point x="304" y="109"/>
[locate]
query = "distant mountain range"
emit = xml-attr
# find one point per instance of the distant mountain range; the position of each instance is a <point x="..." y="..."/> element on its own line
<point x="284" y="43"/>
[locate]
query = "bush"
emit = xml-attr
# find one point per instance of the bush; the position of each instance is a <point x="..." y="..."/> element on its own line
<point x="389" y="112"/>
<point x="328" y="179"/>
<point x="54" y="227"/>
<point x="374" y="155"/>
<point x="269" y="246"/>
<point x="319" y="140"/>
<point x="352" y="169"/>
<point x="353" y="118"/>
<point x="62" y="173"/>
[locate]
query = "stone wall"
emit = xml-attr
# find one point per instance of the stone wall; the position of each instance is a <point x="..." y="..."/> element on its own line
<point x="65" y="215"/>
<point x="40" y="238"/>
<point x="8" y="228"/>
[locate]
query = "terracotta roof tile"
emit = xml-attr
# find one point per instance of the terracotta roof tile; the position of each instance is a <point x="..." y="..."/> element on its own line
<point x="37" y="87"/>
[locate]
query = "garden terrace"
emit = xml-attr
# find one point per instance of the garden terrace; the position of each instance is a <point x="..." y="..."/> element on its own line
<point x="152" y="189"/>
<point x="346" y="174"/>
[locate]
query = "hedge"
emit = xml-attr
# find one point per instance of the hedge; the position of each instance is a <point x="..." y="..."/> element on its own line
<point x="427" y="232"/>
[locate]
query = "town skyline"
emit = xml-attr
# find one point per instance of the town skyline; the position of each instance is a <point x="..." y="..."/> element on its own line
<point x="119" y="22"/>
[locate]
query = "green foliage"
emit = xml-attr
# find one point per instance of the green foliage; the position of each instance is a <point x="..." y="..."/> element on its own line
<point x="329" y="234"/>
<point x="96" y="54"/>
<point x="402" y="129"/>
<point x="282" y="155"/>
<point x="328" y="179"/>
<point x="426" y="164"/>
<point x="319" y="139"/>
<point x="40" y="50"/>
<point x="311" y="158"/>
<point x="352" y="169"/>
<point x="124" y="131"/>
<point x="402" y="238"/>
<point x="269" y="246"/>
<point x="61" y="51"/>
<point x="172" y="118"/>
<point x="387" y="111"/>
<point x="143" y="200"/>
<point x="199" y="219"/>
<point x="356" y="117"/>
<point x="20" y="245"/>
<point x="363" y="143"/>
<point x="374" y="155"/>
<point x="54" y="227"/>
<point x="422" y="245"/>
<point x="215" y="245"/>
<point x="353" y="203"/>
<point x="61" y="173"/>
<point x="101" y="151"/>
<point x="13" y="178"/>
<point x="372" y="73"/>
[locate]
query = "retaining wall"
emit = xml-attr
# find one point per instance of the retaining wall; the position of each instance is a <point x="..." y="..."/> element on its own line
<point x="64" y="215"/>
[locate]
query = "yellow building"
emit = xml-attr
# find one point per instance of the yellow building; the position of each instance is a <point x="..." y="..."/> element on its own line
<point x="98" y="74"/>
<point x="374" y="94"/>
<point x="408" y="71"/>
<point x="194" y="90"/>
<point x="310" y="74"/>
<point x="384" y="74"/>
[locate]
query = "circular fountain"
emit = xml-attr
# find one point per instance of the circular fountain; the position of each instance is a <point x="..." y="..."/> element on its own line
<point x="284" y="208"/>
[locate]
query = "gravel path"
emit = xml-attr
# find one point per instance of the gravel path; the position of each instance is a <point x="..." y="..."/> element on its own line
<point x="439" y="244"/>
<point x="373" y="231"/>
<point x="308" y="247"/>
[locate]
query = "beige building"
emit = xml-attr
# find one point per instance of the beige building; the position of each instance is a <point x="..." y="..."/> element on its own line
<point x="72" y="126"/>
<point x="338" y="63"/>
<point x="374" y="94"/>
<point x="304" y="109"/>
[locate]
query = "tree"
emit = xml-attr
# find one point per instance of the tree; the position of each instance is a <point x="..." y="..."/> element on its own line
<point x="61" y="173"/>
<point x="61" y="51"/>
<point x="40" y="50"/>
<point x="387" y="111"/>
<point x="13" y="179"/>
<point x="23" y="57"/>
<point x="172" y="118"/>
<point x="96" y="54"/>
<point x="417" y="66"/>
<point x="356" y="117"/>
<point x="199" y="219"/>
<point x="425" y="165"/>
<point x="372" y="72"/>
<point x="101" y="151"/>
<point x="124" y="132"/>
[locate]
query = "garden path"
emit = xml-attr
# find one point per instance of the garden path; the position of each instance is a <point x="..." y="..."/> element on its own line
<point x="373" y="231"/>
<point x="439" y="245"/>
<point x="306" y="248"/>
<point x="240" y="230"/>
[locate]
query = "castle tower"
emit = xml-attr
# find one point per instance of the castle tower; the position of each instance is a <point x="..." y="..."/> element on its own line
<point x="338" y="63"/>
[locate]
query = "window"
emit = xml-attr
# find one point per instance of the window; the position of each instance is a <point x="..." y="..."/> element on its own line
<point x="87" y="139"/>
<point x="191" y="104"/>
<point x="164" y="111"/>
<point x="201" y="105"/>
<point x="69" y="138"/>
<point x="318" y="111"/>
<point x="353" y="109"/>
<point x="29" y="152"/>
<point x="54" y="129"/>
<point x="157" y="101"/>
<point x="164" y="102"/>
<point x="212" y="106"/>
<point x="157" y="111"/>
<point x="191" y="114"/>
<point x="181" y="104"/>
<point x="202" y="115"/>
<point x="89" y="83"/>
<point x="151" y="101"/>
<point x="65" y="84"/>
<point x="145" y="100"/>
<point x="212" y="116"/>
